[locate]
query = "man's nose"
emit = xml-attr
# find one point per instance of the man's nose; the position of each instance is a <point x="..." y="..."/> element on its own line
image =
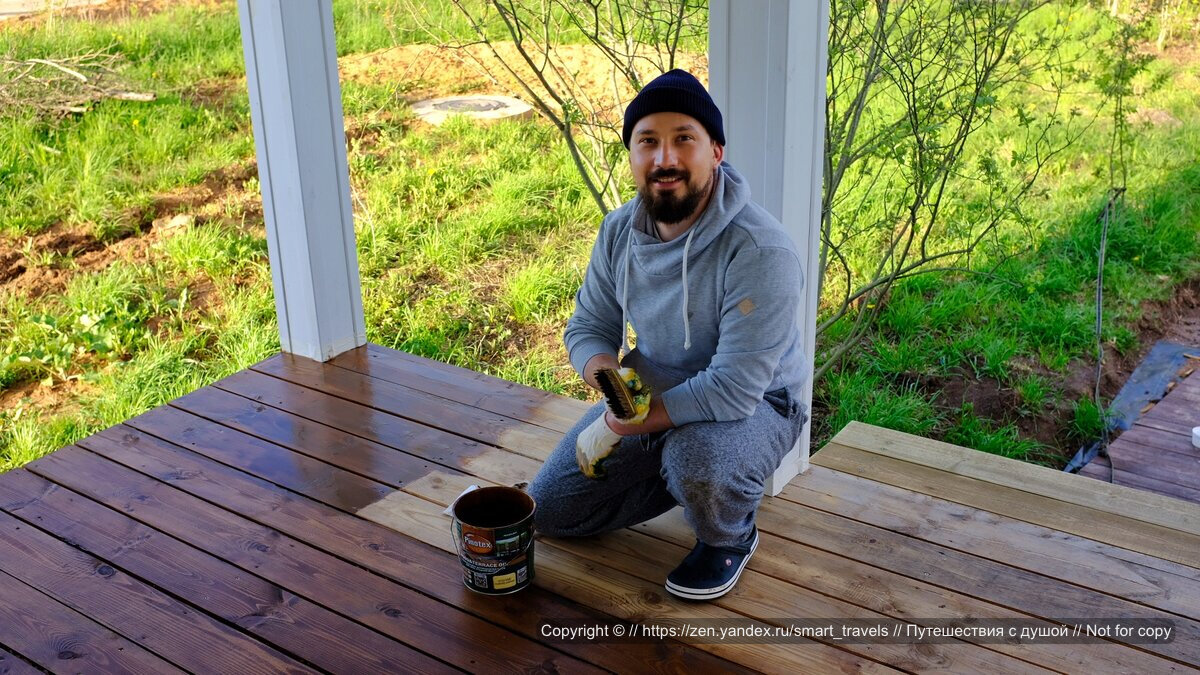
<point x="667" y="156"/>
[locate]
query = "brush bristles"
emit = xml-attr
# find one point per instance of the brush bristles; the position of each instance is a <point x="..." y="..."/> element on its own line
<point x="616" y="393"/>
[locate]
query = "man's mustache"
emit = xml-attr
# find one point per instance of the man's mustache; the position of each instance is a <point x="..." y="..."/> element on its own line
<point x="669" y="174"/>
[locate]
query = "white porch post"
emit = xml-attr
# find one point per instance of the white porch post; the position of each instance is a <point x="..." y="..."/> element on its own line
<point x="766" y="72"/>
<point x="296" y="109"/>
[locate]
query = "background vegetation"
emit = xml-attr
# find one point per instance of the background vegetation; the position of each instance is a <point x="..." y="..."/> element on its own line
<point x="143" y="271"/>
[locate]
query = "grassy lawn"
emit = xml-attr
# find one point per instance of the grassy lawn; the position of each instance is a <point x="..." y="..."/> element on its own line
<point x="472" y="240"/>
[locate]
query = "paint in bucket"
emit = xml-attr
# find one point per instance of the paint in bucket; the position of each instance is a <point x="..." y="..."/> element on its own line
<point x="493" y="532"/>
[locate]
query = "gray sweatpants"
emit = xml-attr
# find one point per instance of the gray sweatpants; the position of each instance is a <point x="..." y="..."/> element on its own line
<point x="716" y="470"/>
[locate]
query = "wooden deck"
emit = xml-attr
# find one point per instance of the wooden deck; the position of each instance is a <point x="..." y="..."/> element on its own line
<point x="1157" y="453"/>
<point x="289" y="518"/>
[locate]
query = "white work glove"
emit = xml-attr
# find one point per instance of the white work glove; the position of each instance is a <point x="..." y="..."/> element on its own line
<point x="595" y="443"/>
<point x="598" y="440"/>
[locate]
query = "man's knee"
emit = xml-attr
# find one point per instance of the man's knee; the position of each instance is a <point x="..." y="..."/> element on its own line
<point x="555" y="522"/>
<point x="705" y="459"/>
<point x="553" y="516"/>
<point x="701" y="448"/>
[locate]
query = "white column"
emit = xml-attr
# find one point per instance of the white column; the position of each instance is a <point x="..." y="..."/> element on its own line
<point x="766" y="72"/>
<point x="296" y="108"/>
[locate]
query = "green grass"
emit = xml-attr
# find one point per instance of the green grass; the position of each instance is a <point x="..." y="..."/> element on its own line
<point x="1030" y="324"/>
<point x="871" y="399"/>
<point x="467" y="241"/>
<point x="472" y="241"/>
<point x="1087" y="420"/>
<point x="92" y="170"/>
<point x="140" y="368"/>
<point x="1035" y="392"/>
<point x="969" y="430"/>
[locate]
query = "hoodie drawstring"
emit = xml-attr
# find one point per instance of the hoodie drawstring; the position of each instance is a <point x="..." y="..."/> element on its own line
<point x="687" y="324"/>
<point x="687" y="327"/>
<point x="625" y="298"/>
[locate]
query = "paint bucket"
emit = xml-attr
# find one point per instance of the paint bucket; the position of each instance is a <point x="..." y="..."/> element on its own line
<point x="492" y="529"/>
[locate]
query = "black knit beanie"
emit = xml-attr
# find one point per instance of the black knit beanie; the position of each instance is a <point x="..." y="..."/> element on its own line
<point x="675" y="91"/>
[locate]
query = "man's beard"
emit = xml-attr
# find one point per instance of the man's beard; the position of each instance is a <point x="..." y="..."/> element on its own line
<point x="665" y="207"/>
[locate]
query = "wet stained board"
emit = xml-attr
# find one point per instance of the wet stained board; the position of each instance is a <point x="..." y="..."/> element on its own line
<point x="1157" y="454"/>
<point x="288" y="518"/>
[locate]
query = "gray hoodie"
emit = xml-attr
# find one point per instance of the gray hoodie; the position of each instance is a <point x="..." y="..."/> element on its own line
<point x="714" y="331"/>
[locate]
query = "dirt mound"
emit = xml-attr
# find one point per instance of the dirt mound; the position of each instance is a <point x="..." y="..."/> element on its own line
<point x="42" y="263"/>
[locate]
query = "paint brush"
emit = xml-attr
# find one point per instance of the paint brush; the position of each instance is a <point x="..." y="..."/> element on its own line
<point x="616" y="393"/>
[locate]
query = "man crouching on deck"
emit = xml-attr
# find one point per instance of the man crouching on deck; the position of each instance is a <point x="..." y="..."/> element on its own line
<point x="711" y="285"/>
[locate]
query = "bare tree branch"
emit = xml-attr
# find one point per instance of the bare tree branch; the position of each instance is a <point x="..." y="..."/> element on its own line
<point x="64" y="85"/>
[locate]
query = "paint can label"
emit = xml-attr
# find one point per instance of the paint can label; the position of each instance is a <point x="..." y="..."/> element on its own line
<point x="493" y="534"/>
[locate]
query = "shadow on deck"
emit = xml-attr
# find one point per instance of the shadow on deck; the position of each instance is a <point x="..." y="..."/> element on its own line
<point x="289" y="518"/>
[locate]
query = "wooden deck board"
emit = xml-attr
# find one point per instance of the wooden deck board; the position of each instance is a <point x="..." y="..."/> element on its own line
<point x="1118" y="530"/>
<point x="290" y="515"/>
<point x="1163" y="440"/>
<point x="292" y="623"/>
<point x="1101" y="469"/>
<point x="464" y="386"/>
<point x="1157" y="454"/>
<point x="11" y="664"/>
<point x="465" y="420"/>
<point x="428" y="443"/>
<point x="346" y="589"/>
<point x="1084" y="562"/>
<point x="1040" y="481"/>
<point x="872" y="585"/>
<point x="499" y="464"/>
<point x="797" y="596"/>
<point x="63" y="640"/>
<point x="1157" y="464"/>
<point x="318" y="508"/>
<point x="137" y="610"/>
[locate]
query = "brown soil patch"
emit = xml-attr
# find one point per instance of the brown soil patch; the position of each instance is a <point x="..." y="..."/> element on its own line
<point x="111" y="10"/>
<point x="1155" y="117"/>
<point x="74" y="251"/>
<point x="215" y="94"/>
<point x="521" y="338"/>
<point x="987" y="396"/>
<point x="61" y="398"/>
<point x="441" y="71"/>
<point x="45" y="263"/>
<point x="1176" y="319"/>
<point x="220" y="189"/>
<point x="1182" y="52"/>
<point x="54" y="256"/>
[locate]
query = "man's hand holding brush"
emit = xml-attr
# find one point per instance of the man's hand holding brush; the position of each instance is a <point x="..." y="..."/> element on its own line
<point x="630" y="411"/>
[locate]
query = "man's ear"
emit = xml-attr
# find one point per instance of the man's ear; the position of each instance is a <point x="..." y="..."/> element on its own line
<point x="718" y="152"/>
